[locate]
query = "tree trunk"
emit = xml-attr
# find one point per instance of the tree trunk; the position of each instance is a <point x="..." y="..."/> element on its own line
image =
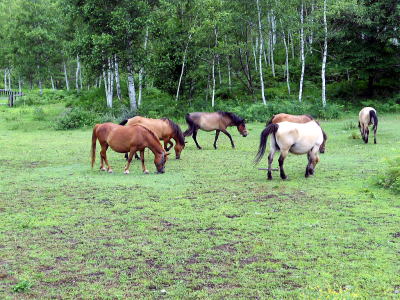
<point x="324" y="57"/>
<point x="131" y="89"/>
<point x="141" y="71"/>
<point x="254" y="53"/>
<point x="108" y="76"/>
<point x="78" y="69"/>
<point x="19" y="85"/>
<point x="291" y="43"/>
<point x="229" y="73"/>
<point x="286" y="59"/>
<point x="52" y="83"/>
<point x="40" y="87"/>
<point x="117" y="83"/>
<point x="9" y="79"/>
<point x="66" y="77"/>
<point x="183" y="67"/>
<point x="260" y="53"/>
<point x="213" y="82"/>
<point x="301" y="51"/>
<point x="271" y="18"/>
<point x="5" y="79"/>
<point x="312" y="23"/>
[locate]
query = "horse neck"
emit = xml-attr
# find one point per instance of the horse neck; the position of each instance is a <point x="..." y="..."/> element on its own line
<point x="155" y="146"/>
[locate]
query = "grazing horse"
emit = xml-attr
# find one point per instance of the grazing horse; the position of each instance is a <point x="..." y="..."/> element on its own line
<point x="130" y="139"/>
<point x="296" y="119"/>
<point x="297" y="138"/>
<point x="217" y="121"/>
<point x="365" y="118"/>
<point x="165" y="129"/>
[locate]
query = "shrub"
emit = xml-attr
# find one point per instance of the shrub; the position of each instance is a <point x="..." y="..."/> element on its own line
<point x="49" y="97"/>
<point x="39" y="114"/>
<point x="76" y="117"/>
<point x="391" y="178"/>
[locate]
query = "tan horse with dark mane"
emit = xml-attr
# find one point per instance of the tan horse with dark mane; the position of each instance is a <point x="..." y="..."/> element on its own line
<point x="297" y="138"/>
<point x="124" y="139"/>
<point x="296" y="119"/>
<point x="365" y="118"/>
<point x="165" y="129"/>
<point x="217" y="121"/>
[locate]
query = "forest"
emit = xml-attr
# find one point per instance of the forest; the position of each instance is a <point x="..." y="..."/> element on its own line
<point x="165" y="57"/>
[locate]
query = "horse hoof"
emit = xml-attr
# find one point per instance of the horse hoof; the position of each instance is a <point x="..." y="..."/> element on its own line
<point x="146" y="172"/>
<point x="284" y="177"/>
<point x="126" y="172"/>
<point x="103" y="169"/>
<point x="269" y="178"/>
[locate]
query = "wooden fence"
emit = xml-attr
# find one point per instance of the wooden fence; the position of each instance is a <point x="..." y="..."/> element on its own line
<point x="11" y="96"/>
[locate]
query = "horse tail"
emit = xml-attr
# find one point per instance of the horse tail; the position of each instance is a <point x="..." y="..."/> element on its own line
<point x="124" y="122"/>
<point x="94" y="139"/>
<point x="191" y="124"/>
<point x="270" y="121"/>
<point x="373" y="116"/>
<point x="270" y="129"/>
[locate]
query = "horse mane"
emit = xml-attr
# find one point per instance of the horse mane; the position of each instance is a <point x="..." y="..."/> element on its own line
<point x="236" y="120"/>
<point x="176" y="129"/>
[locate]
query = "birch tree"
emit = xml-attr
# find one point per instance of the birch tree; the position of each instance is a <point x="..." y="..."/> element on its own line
<point x="117" y="82"/>
<point x="141" y="71"/>
<point x="301" y="51"/>
<point x="260" y="52"/>
<point x="325" y="53"/>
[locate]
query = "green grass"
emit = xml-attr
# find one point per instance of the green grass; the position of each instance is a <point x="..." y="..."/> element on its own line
<point x="212" y="226"/>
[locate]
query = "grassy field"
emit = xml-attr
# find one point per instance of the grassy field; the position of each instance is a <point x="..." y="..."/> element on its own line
<point x="211" y="227"/>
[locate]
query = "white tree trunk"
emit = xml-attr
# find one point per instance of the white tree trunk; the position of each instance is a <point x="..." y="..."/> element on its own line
<point x="131" y="89"/>
<point x="286" y="59"/>
<point x="40" y="87"/>
<point x="108" y="76"/>
<point x="5" y="79"/>
<point x="78" y="69"/>
<point x="117" y="83"/>
<point x="141" y="71"/>
<point x="291" y="43"/>
<point x="183" y="67"/>
<point x="273" y="40"/>
<point x="260" y="53"/>
<point x="52" y="83"/>
<point x="301" y="51"/>
<point x="213" y="82"/>
<point x="324" y="57"/>
<point x="254" y="53"/>
<point x="312" y="23"/>
<point x="217" y="55"/>
<point x="19" y="85"/>
<point x="9" y="79"/>
<point x="66" y="77"/>
<point x="229" y="72"/>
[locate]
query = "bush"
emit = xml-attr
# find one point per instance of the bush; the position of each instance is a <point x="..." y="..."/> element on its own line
<point x="76" y="117"/>
<point x="49" y="97"/>
<point x="39" y="114"/>
<point x="391" y="178"/>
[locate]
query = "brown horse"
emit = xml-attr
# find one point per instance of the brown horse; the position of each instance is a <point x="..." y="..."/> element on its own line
<point x="127" y="139"/>
<point x="217" y="121"/>
<point x="365" y="118"/>
<point x="297" y="119"/>
<point x="165" y="129"/>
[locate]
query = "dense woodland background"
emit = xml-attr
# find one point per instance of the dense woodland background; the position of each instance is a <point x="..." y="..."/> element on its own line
<point x="166" y="57"/>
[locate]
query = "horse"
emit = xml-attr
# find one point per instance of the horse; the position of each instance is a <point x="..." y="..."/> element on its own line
<point x="296" y="119"/>
<point x="218" y="121"/>
<point x="130" y="139"/>
<point x="297" y="138"/>
<point x="165" y="129"/>
<point x="365" y="118"/>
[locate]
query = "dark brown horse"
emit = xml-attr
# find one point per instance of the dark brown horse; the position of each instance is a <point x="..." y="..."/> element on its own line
<point x="124" y="139"/>
<point x="217" y="121"/>
<point x="165" y="129"/>
<point x="297" y="119"/>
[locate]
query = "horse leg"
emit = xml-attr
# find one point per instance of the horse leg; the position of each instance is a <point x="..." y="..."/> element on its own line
<point x="375" y="128"/>
<point x="216" y="138"/>
<point x="137" y="156"/>
<point x="166" y="143"/>
<point x="366" y="135"/>
<point x="145" y="171"/>
<point x="195" y="138"/>
<point x="281" y="160"/>
<point x="270" y="160"/>
<point x="128" y="163"/>
<point x="313" y="159"/>
<point x="103" y="154"/>
<point x="229" y="136"/>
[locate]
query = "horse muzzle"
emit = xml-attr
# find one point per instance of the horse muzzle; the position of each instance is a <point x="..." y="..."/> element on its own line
<point x="244" y="134"/>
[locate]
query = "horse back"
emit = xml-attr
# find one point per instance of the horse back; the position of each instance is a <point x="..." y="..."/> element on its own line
<point x="282" y="117"/>
<point x="159" y="127"/>
<point x="206" y="121"/>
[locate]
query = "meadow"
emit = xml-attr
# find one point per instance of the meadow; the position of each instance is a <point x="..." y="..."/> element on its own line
<point x="211" y="227"/>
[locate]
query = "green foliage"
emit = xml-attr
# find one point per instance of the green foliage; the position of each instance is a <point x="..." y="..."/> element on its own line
<point x="76" y="117"/>
<point x="33" y="97"/>
<point x="391" y="178"/>
<point x="39" y="114"/>
<point x="22" y="286"/>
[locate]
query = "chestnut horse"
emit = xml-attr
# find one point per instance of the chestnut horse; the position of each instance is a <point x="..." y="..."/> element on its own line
<point x="297" y="138"/>
<point x="365" y="118"/>
<point x="217" y="121"/>
<point x="296" y="119"/>
<point x="165" y="129"/>
<point x="124" y="139"/>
